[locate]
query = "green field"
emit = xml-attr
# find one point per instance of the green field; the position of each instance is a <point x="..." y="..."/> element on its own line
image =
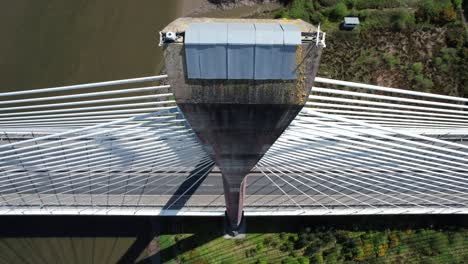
<point x="322" y="244"/>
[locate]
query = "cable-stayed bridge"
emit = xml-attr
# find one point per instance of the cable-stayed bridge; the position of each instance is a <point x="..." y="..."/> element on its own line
<point x="124" y="148"/>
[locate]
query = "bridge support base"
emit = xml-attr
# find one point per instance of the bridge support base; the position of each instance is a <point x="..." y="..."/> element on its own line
<point x="231" y="232"/>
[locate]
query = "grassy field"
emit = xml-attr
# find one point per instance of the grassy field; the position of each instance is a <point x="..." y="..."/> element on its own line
<point x="379" y="241"/>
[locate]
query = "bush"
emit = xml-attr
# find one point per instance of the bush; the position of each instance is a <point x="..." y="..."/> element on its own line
<point x="439" y="243"/>
<point x="358" y="254"/>
<point x="328" y="2"/>
<point x="298" y="10"/>
<point x="377" y="4"/>
<point x="402" y="19"/>
<point x="281" y="14"/>
<point x="417" y="67"/>
<point x="423" y="82"/>
<point x="290" y="260"/>
<point x="455" y="37"/>
<point x="437" y="61"/>
<point x="287" y="246"/>
<point x="457" y="4"/>
<point x="267" y="240"/>
<point x="437" y="12"/>
<point x="317" y="258"/>
<point x="261" y="260"/>
<point x="317" y="18"/>
<point x="259" y="247"/>
<point x="303" y="260"/>
<point x="338" y="11"/>
<point x="391" y="60"/>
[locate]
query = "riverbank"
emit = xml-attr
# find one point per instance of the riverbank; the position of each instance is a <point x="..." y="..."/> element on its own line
<point x="230" y="9"/>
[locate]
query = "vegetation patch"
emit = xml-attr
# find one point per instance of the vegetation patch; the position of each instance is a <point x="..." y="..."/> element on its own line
<point x="325" y="245"/>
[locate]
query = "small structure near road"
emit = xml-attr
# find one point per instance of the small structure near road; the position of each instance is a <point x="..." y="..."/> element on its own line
<point x="349" y="23"/>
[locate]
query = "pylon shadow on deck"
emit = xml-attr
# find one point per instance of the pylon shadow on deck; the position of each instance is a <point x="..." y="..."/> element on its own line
<point x="185" y="191"/>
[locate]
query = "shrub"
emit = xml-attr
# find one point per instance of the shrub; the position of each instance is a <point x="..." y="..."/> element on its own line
<point x="417" y="67"/>
<point x="437" y="12"/>
<point x="328" y="2"/>
<point x="455" y="37"/>
<point x="289" y="260"/>
<point x="457" y="4"/>
<point x="391" y="60"/>
<point x="402" y="19"/>
<point x="377" y="4"/>
<point x="358" y="254"/>
<point x="438" y="61"/>
<point x="281" y="14"/>
<point x="298" y="10"/>
<point x="267" y="240"/>
<point x="303" y="260"/>
<point x="338" y="11"/>
<point x="317" y="258"/>
<point x="317" y="17"/>
<point x="439" y="243"/>
<point x="444" y="68"/>
<point x="259" y="247"/>
<point x="287" y="246"/>
<point x="261" y="260"/>
<point x="250" y="252"/>
<point x="423" y="82"/>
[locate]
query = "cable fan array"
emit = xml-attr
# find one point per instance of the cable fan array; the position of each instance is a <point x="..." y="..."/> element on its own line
<point x="365" y="149"/>
<point x="111" y="148"/>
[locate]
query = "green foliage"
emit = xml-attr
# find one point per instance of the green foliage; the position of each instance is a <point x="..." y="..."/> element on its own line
<point x="402" y="19"/>
<point x="290" y="260"/>
<point x="251" y="252"/>
<point x="303" y="260"/>
<point x="328" y="3"/>
<point x="457" y="4"/>
<point x="438" y="61"/>
<point x="417" y="67"/>
<point x="287" y="246"/>
<point x="259" y="247"/>
<point x="439" y="243"/>
<point x="300" y="9"/>
<point x="391" y="60"/>
<point x="377" y="4"/>
<point x="448" y="58"/>
<point x="338" y="11"/>
<point x="436" y="11"/>
<point x="282" y="13"/>
<point x="317" y="258"/>
<point x="261" y="260"/>
<point x="396" y="20"/>
<point x="455" y="37"/>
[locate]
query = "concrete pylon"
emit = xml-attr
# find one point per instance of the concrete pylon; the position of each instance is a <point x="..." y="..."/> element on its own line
<point x="237" y="120"/>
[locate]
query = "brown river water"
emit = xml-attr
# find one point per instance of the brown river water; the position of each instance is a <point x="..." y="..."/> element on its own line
<point x="56" y="42"/>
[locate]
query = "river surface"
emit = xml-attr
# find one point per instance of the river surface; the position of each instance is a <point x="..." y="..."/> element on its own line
<point x="57" y="42"/>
